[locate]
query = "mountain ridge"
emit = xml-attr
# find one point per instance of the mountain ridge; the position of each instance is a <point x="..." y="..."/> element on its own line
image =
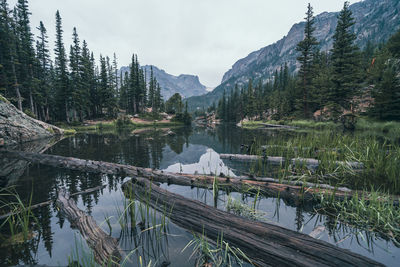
<point x="185" y="84"/>
<point x="375" y="21"/>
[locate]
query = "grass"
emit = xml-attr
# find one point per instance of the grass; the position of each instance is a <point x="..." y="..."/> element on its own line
<point x="363" y="124"/>
<point x="21" y="217"/>
<point x="374" y="211"/>
<point x="221" y="254"/>
<point x="235" y="206"/>
<point x="335" y="152"/>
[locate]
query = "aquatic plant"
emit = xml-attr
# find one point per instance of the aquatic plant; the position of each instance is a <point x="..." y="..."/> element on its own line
<point x="220" y="254"/>
<point x="374" y="211"/>
<point x="20" y="217"/>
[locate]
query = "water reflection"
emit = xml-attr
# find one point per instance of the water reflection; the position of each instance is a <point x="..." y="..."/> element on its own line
<point x="185" y="150"/>
<point x="209" y="163"/>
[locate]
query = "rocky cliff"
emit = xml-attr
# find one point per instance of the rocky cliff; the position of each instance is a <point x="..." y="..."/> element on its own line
<point x="17" y="127"/>
<point x="184" y="84"/>
<point x="376" y="21"/>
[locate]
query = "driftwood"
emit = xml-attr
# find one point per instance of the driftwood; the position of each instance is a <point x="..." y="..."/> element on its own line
<point x="105" y="247"/>
<point x="264" y="244"/>
<point x="49" y="202"/>
<point x="309" y="162"/>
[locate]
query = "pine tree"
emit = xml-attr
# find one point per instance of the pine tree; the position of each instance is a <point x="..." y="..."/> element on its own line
<point x="86" y="75"/>
<point x="345" y="62"/>
<point x="307" y="49"/>
<point x="45" y="93"/>
<point x="75" y="77"/>
<point x="61" y="75"/>
<point x="25" y="50"/>
<point x="8" y="55"/>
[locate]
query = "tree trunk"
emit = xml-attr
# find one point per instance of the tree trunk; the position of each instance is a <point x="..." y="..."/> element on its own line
<point x="309" y="162"/>
<point x="105" y="247"/>
<point x="264" y="244"/>
<point x="292" y="192"/>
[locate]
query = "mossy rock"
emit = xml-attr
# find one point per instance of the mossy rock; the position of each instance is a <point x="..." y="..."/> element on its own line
<point x="3" y="99"/>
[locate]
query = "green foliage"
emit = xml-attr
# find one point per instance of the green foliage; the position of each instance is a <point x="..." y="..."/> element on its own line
<point x="307" y="49"/>
<point x="174" y="104"/>
<point x="345" y="65"/>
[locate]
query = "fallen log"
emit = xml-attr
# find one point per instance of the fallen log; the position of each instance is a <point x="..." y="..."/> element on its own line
<point x="49" y="202"/>
<point x="105" y="248"/>
<point x="293" y="193"/>
<point x="264" y="244"/>
<point x="313" y="163"/>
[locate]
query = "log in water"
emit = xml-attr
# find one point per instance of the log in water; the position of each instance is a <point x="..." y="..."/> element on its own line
<point x="105" y="247"/>
<point x="313" y="163"/>
<point x="265" y="244"/>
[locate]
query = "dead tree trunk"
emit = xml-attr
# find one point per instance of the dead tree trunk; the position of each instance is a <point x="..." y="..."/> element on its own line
<point x="105" y="247"/>
<point x="309" y="162"/>
<point x="293" y="192"/>
<point x="265" y="244"/>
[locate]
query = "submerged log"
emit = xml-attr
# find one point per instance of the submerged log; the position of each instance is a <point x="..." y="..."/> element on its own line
<point x="49" y="202"/>
<point x="309" y="162"/>
<point x="264" y="244"/>
<point x="105" y="247"/>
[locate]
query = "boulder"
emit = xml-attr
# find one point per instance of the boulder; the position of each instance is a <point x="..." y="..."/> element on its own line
<point x="17" y="127"/>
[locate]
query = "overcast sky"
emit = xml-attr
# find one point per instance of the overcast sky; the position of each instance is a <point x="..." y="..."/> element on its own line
<point x="201" y="37"/>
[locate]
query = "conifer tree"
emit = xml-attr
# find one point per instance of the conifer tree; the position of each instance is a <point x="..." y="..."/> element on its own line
<point x="346" y="65"/>
<point x="307" y="49"/>
<point x="25" y="50"/>
<point x="45" y="93"/>
<point x="61" y="73"/>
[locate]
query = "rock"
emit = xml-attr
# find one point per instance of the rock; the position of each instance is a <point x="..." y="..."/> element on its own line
<point x="17" y="127"/>
<point x="136" y="116"/>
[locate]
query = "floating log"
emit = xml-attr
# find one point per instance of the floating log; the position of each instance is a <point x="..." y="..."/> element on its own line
<point x="105" y="248"/>
<point x="264" y="244"/>
<point x="292" y="191"/>
<point x="49" y="202"/>
<point x="309" y="162"/>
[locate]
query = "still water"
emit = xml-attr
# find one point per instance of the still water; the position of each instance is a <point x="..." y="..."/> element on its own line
<point x="186" y="150"/>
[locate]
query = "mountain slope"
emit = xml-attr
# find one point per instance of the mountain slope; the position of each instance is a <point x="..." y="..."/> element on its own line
<point x="376" y="21"/>
<point x="184" y="84"/>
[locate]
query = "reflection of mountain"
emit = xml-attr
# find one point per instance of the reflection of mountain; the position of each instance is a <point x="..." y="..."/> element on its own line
<point x="209" y="162"/>
<point x="190" y="154"/>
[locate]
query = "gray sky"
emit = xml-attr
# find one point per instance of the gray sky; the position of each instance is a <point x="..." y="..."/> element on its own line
<point x="201" y="37"/>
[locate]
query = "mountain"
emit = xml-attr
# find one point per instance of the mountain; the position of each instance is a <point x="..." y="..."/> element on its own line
<point x="376" y="21"/>
<point x="184" y="84"/>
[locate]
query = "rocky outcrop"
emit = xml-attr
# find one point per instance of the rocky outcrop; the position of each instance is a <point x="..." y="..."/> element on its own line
<point x="186" y="85"/>
<point x="375" y="21"/>
<point x="16" y="127"/>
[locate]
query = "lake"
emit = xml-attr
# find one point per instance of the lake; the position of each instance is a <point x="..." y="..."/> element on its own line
<point x="187" y="150"/>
